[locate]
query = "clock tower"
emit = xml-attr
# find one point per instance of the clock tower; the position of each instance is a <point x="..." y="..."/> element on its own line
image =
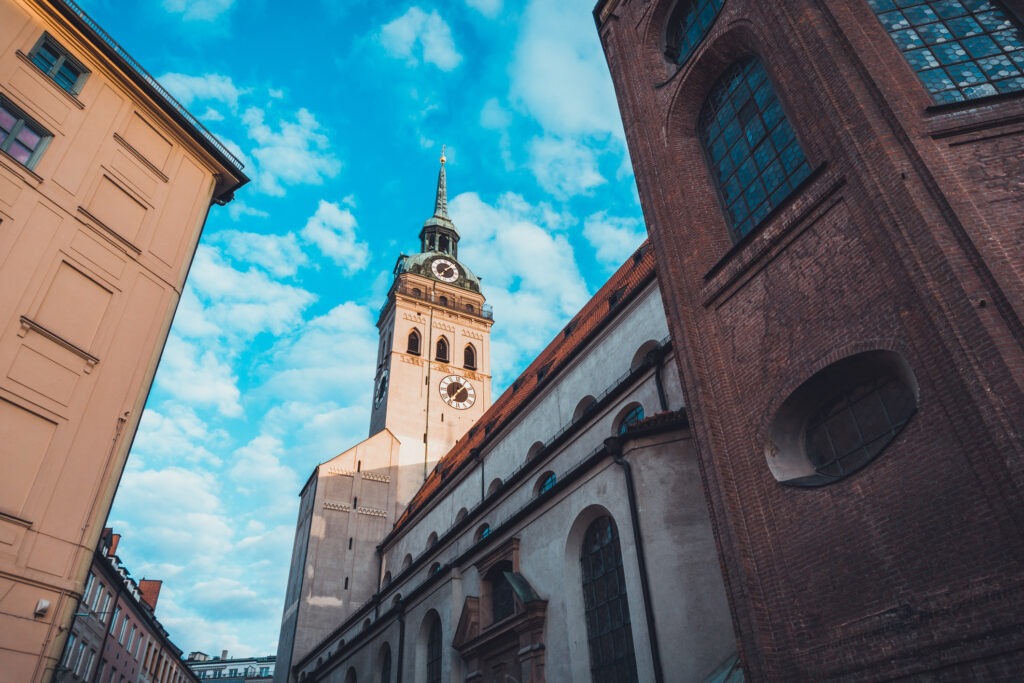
<point x="433" y="378"/>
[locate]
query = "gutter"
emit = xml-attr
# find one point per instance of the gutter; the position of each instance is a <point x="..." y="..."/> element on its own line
<point x="613" y="445"/>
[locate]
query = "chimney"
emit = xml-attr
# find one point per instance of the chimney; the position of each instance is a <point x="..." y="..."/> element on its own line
<point x="223" y="654"/>
<point x="114" y="540"/>
<point x="150" y="591"/>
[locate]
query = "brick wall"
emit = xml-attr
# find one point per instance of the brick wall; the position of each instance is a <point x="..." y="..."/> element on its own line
<point x="907" y="237"/>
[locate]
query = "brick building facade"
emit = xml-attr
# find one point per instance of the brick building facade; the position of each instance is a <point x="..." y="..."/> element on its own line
<point x="834" y="193"/>
<point x="115" y="636"/>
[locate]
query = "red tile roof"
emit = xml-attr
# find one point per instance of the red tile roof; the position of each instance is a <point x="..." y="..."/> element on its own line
<point x="627" y="281"/>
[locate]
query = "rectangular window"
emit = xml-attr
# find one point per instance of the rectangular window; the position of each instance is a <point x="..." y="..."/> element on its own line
<point x="87" y="593"/>
<point x="21" y="137"/>
<point x="124" y="628"/>
<point x="131" y="639"/>
<point x="54" y="61"/>
<point x="69" y="648"/>
<point x="113" y="622"/>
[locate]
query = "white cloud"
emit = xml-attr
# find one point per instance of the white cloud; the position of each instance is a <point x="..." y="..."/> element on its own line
<point x="533" y="280"/>
<point x="174" y="432"/>
<point x="279" y="255"/>
<point x="416" y="36"/>
<point x="559" y="74"/>
<point x="198" y="377"/>
<point x="333" y="230"/>
<point x="199" y="10"/>
<point x="296" y="153"/>
<point x="494" y="116"/>
<point x="613" y="238"/>
<point x="488" y="8"/>
<point x="308" y="366"/>
<point x="189" y="89"/>
<point x="564" y="167"/>
<point x="242" y="304"/>
<point x="238" y="209"/>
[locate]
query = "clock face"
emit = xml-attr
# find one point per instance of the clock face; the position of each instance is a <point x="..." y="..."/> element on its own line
<point x="382" y="389"/>
<point x="457" y="392"/>
<point x="444" y="270"/>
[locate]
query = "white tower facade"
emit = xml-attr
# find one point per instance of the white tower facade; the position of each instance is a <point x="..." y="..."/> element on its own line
<point x="433" y="381"/>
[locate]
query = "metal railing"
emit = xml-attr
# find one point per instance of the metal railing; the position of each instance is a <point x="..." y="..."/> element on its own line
<point x="152" y="82"/>
<point x="454" y="303"/>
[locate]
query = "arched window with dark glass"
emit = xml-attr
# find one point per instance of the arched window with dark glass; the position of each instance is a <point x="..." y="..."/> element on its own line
<point x="632" y="417"/>
<point x="469" y="357"/>
<point x="687" y="26"/>
<point x="385" y="664"/>
<point x="609" y="636"/>
<point x="442" y="350"/>
<point x="413" y="345"/>
<point x="546" y="483"/>
<point x="434" y="652"/>
<point x="755" y="159"/>
<point x="960" y="49"/>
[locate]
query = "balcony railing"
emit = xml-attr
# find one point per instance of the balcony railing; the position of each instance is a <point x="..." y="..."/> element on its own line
<point x="444" y="300"/>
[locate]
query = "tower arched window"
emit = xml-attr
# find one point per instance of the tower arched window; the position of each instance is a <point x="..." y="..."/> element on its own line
<point x="469" y="357"/>
<point x="442" y="350"/>
<point x="960" y="49"/>
<point x="755" y="159"/>
<point x="609" y="635"/>
<point x="413" y="345"/>
<point x="688" y="25"/>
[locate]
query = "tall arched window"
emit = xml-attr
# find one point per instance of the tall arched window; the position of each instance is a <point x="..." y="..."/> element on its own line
<point x="385" y="664"/>
<point x="609" y="636"/>
<point x="413" y="345"/>
<point x="688" y="25"/>
<point x="755" y="158"/>
<point x="442" y="350"/>
<point x="469" y="357"/>
<point x="961" y="49"/>
<point x="434" y="652"/>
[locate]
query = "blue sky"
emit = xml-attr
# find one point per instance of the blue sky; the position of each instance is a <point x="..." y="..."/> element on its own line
<point x="339" y="111"/>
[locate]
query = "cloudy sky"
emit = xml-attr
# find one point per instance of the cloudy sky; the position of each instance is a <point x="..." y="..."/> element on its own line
<point x="339" y="109"/>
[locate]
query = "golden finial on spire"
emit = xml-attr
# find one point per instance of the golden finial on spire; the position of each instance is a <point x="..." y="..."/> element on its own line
<point x="443" y="157"/>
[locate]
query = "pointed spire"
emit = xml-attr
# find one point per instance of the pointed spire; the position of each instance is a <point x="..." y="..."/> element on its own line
<point x="441" y="201"/>
<point x="439" y="233"/>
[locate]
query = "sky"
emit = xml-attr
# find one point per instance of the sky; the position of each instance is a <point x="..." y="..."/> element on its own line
<point x="339" y="110"/>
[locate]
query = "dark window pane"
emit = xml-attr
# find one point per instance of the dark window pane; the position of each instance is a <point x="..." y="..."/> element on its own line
<point x="609" y="637"/>
<point x="967" y="36"/>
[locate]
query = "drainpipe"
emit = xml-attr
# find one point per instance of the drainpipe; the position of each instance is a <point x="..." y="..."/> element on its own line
<point x="614" y="447"/>
<point x="655" y="357"/>
<point x="475" y="453"/>
<point x="401" y="640"/>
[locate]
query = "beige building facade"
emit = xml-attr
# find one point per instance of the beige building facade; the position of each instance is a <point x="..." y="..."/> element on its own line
<point x="105" y="184"/>
<point x="432" y="384"/>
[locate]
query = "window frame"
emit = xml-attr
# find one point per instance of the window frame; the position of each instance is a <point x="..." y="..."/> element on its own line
<point x="740" y="225"/>
<point x="61" y="57"/>
<point x="674" y="49"/>
<point x="931" y="56"/>
<point x="440" y="357"/>
<point x="411" y="348"/>
<point x="22" y="121"/>
<point x="595" y="586"/>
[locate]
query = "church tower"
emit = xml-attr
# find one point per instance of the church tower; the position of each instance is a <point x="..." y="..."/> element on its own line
<point x="433" y="381"/>
<point x="433" y="377"/>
